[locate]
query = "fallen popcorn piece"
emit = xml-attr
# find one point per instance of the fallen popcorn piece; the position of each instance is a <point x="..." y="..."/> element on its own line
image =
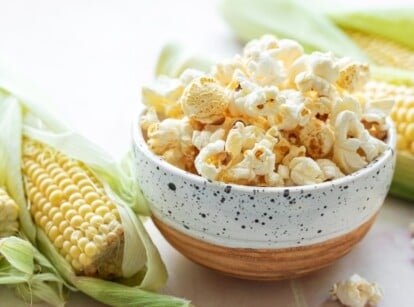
<point x="356" y="292"/>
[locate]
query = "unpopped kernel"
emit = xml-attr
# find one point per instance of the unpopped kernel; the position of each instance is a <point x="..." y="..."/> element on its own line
<point x="273" y="116"/>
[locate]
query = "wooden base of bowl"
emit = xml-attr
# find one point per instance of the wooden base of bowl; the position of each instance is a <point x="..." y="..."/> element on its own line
<point x="263" y="264"/>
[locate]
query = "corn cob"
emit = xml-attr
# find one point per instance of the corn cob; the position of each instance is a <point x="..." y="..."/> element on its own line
<point x="383" y="51"/>
<point x="9" y="215"/>
<point x="71" y="206"/>
<point x="403" y="116"/>
<point x="402" y="113"/>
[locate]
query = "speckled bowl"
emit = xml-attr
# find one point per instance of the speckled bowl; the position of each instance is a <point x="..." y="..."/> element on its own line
<point x="262" y="233"/>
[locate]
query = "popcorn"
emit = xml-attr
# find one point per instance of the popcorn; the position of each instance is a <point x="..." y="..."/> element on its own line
<point x="149" y="118"/>
<point x="287" y="52"/>
<point x="315" y="71"/>
<point x="356" y="292"/>
<point x="354" y="146"/>
<point x="242" y="137"/>
<point x="204" y="100"/>
<point x="375" y="111"/>
<point x="257" y="101"/>
<point x="347" y="103"/>
<point x="329" y="169"/>
<point x="272" y="116"/>
<point x="224" y="71"/>
<point x="318" y="138"/>
<point x="352" y="75"/>
<point x="163" y="95"/>
<point x="202" y="138"/>
<point x="258" y="162"/>
<point x="211" y="160"/>
<point x="306" y="81"/>
<point x="284" y="50"/>
<point x="188" y="75"/>
<point x="293" y="112"/>
<point x="304" y="170"/>
<point x="169" y="133"/>
<point x="263" y="69"/>
<point x="324" y="65"/>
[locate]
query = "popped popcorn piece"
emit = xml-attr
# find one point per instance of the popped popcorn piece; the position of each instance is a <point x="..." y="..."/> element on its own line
<point x="356" y="292"/>
<point x="149" y="118"/>
<point x="211" y="160"/>
<point x="258" y="163"/>
<point x="375" y="111"/>
<point x="306" y="81"/>
<point x="294" y="152"/>
<point x="320" y="107"/>
<point x="283" y="172"/>
<point x="287" y="52"/>
<point x="354" y="146"/>
<point x="253" y="100"/>
<point x="321" y="66"/>
<point x="263" y="69"/>
<point x="202" y="138"/>
<point x="352" y="75"/>
<point x="265" y="43"/>
<point x="204" y="100"/>
<point x="242" y="137"/>
<point x="324" y="65"/>
<point x="176" y="157"/>
<point x="304" y="171"/>
<point x="169" y="133"/>
<point x="318" y="138"/>
<point x="292" y="112"/>
<point x="347" y="103"/>
<point x="163" y="95"/>
<point x="224" y="71"/>
<point x="190" y="74"/>
<point x="284" y="50"/>
<point x="330" y="169"/>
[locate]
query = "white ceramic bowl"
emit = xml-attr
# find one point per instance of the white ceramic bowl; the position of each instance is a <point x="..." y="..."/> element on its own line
<point x="262" y="232"/>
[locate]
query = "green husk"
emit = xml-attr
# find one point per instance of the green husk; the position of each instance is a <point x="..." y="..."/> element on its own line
<point x="174" y="58"/>
<point x="34" y="278"/>
<point x="289" y="19"/>
<point x="392" y="75"/>
<point x="396" y="24"/>
<point x="402" y="183"/>
<point x="142" y="266"/>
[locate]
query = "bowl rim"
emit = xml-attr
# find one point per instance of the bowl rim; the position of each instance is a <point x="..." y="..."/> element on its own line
<point x="139" y="142"/>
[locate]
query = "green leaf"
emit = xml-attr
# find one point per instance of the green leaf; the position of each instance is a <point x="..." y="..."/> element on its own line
<point x="392" y="75"/>
<point x="120" y="295"/>
<point x="289" y="19"/>
<point x="18" y="253"/>
<point x="175" y="58"/>
<point x="402" y="183"/>
<point x="396" y="24"/>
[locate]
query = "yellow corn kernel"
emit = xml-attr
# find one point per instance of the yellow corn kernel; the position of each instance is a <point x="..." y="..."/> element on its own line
<point x="69" y="204"/>
<point x="402" y="113"/>
<point x="9" y="215"/>
<point x="383" y="51"/>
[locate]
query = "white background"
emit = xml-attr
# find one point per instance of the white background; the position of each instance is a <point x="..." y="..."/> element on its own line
<point x="92" y="57"/>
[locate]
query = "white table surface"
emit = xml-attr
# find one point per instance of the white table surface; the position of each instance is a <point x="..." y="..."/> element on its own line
<point x="92" y="57"/>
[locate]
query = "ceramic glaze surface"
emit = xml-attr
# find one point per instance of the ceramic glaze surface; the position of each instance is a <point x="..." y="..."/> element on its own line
<point x="256" y="217"/>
